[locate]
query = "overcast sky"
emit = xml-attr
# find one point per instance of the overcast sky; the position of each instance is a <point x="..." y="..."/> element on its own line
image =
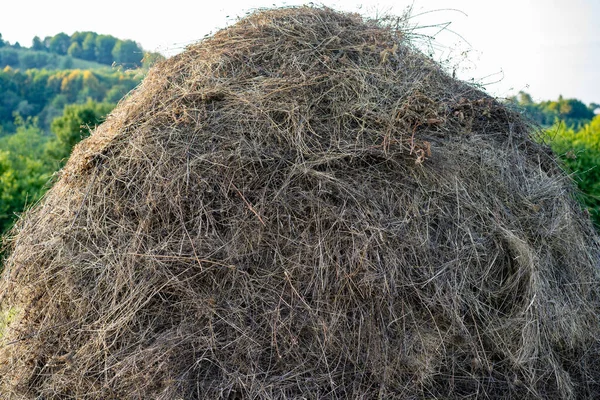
<point x="544" y="47"/>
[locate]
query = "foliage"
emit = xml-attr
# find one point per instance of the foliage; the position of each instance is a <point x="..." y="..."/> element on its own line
<point x="29" y="157"/>
<point x="29" y="58"/>
<point x="75" y="124"/>
<point x="44" y="93"/>
<point x="51" y="95"/>
<point x="59" y="44"/>
<point x="104" y="47"/>
<point x="24" y="171"/>
<point x="127" y="53"/>
<point x="580" y="152"/>
<point x="37" y="44"/>
<point x="61" y="49"/>
<point x="573" y="131"/>
<point x="572" y="112"/>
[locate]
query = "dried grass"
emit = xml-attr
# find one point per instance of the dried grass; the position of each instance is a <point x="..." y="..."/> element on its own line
<point x="304" y="206"/>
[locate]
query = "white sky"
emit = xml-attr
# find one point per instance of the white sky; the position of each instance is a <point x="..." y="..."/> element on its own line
<point x="545" y="47"/>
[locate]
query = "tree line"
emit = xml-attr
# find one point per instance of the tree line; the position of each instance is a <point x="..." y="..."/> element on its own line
<point x="90" y="46"/>
<point x="572" y="112"/>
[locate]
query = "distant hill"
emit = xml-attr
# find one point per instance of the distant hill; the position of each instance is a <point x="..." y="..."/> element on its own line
<point x="24" y="58"/>
<point x="81" y="50"/>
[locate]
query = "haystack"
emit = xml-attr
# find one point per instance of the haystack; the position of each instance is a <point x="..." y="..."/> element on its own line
<point x="304" y="206"/>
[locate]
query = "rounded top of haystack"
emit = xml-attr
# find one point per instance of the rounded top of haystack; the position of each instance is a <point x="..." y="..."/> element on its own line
<point x="334" y="77"/>
<point x="304" y="205"/>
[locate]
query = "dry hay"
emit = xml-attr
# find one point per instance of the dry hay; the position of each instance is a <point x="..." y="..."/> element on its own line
<point x="304" y="205"/>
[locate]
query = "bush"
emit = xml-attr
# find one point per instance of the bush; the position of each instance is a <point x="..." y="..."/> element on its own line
<point x="579" y="151"/>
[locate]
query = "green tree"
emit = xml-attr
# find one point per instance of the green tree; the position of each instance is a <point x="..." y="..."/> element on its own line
<point x="66" y="63"/>
<point x="72" y="84"/>
<point x="2" y="42"/>
<point x="53" y="109"/>
<point x="579" y="151"/>
<point x="89" y="46"/>
<point x="9" y="57"/>
<point x="37" y="44"/>
<point x="24" y="109"/>
<point x="7" y="190"/>
<point x="59" y="44"/>
<point x="75" y="50"/>
<point x="44" y="93"/>
<point x="46" y="42"/>
<point x="78" y="37"/>
<point x="23" y="170"/>
<point x="32" y="59"/>
<point x="127" y="53"/>
<point x="76" y="123"/>
<point x="104" y="48"/>
<point x="92" y="89"/>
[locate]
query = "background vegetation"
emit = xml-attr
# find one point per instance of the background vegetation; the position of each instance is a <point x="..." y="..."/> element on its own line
<point x="51" y="95"/>
<point x="43" y="94"/>
<point x="571" y="112"/>
<point x="79" y="50"/>
<point x="572" y="129"/>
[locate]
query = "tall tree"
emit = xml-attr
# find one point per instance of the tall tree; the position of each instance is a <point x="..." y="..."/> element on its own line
<point x="60" y="43"/>
<point x="78" y="37"/>
<point x="128" y="53"/>
<point x="37" y="44"/>
<point x="75" y="50"/>
<point x="9" y="57"/>
<point x="89" y="46"/>
<point x="104" y="48"/>
<point x="46" y="42"/>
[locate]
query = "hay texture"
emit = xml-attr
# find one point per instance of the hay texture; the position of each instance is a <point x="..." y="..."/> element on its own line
<point x="304" y="206"/>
